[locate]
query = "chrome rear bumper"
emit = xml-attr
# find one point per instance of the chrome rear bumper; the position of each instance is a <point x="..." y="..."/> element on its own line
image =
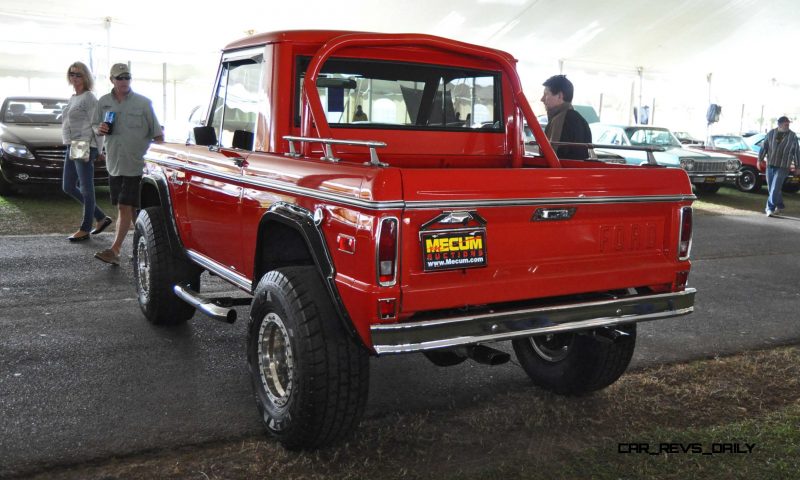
<point x="505" y="325"/>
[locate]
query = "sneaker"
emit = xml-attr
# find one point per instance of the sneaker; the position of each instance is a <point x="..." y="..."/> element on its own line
<point x="769" y="212"/>
<point x="777" y="211"/>
<point x="107" y="256"/>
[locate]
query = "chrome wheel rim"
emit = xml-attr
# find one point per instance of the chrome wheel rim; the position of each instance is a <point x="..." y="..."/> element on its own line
<point x="552" y="348"/>
<point x="143" y="270"/>
<point x="275" y="362"/>
<point x="747" y="180"/>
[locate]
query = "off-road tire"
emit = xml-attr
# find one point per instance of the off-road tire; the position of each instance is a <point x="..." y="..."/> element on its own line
<point x="749" y="180"/>
<point x="156" y="270"/>
<point x="587" y="363"/>
<point x="310" y="377"/>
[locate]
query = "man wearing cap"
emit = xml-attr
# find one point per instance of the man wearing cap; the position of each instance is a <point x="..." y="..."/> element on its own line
<point x="134" y="127"/>
<point x="780" y="148"/>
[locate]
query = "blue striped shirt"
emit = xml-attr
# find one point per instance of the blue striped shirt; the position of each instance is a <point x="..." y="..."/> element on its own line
<point x="779" y="154"/>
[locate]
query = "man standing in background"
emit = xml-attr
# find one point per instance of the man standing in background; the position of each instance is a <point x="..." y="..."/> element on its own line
<point x="780" y="148"/>
<point x="564" y="124"/>
<point x="129" y="124"/>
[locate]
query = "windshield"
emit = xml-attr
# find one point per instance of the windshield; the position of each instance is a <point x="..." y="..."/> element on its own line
<point x="734" y="143"/>
<point x="33" y="110"/>
<point x="382" y="94"/>
<point x="655" y="137"/>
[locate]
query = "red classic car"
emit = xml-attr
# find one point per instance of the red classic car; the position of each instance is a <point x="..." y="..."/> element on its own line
<point x="752" y="178"/>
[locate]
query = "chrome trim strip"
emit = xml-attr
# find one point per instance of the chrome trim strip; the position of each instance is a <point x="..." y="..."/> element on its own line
<point x="704" y="175"/>
<point x="506" y="325"/>
<point x="418" y="204"/>
<point x="529" y="202"/>
<point x="223" y="272"/>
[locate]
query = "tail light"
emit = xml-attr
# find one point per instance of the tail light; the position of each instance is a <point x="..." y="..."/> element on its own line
<point x="685" y="242"/>
<point x="387" y="252"/>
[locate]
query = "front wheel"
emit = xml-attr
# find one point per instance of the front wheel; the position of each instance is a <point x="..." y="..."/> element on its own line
<point x="749" y="180"/>
<point x="156" y="271"/>
<point x="576" y="363"/>
<point x="310" y="377"/>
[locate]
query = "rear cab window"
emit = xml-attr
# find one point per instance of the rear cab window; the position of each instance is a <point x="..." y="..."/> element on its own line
<point x="398" y="95"/>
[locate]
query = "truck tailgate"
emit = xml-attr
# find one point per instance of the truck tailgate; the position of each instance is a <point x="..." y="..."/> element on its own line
<point x="474" y="237"/>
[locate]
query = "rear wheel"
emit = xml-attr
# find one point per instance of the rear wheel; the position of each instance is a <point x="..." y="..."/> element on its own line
<point x="748" y="180"/>
<point x="573" y="363"/>
<point x="310" y="377"/>
<point x="156" y="270"/>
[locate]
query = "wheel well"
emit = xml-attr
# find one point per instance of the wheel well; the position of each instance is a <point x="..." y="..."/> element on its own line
<point x="280" y="245"/>
<point x="149" y="196"/>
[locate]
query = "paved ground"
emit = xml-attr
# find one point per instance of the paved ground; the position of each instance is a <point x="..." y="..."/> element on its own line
<point x="83" y="376"/>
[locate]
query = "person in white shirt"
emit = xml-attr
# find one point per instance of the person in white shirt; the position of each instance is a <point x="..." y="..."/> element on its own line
<point x="76" y="125"/>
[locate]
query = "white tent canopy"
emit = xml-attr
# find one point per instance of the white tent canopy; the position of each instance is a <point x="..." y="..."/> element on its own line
<point x="674" y="55"/>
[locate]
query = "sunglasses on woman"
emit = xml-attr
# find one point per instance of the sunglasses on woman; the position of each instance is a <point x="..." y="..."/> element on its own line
<point x="76" y="74"/>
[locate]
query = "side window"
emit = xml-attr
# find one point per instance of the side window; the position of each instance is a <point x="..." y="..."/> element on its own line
<point x="236" y="102"/>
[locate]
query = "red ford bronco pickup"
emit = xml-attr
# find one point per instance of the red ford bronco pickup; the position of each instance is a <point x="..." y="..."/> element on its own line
<point x="413" y="224"/>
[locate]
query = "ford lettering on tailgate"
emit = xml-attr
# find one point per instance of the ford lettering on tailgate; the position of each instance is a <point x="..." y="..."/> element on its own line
<point x="449" y="249"/>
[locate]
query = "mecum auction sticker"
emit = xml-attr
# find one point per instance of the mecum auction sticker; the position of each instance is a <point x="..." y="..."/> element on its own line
<point x="453" y="249"/>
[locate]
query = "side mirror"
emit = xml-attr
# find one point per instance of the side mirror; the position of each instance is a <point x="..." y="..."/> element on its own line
<point x="205" y="136"/>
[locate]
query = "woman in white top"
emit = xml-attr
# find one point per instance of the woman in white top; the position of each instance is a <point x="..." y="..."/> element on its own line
<point x="78" y="180"/>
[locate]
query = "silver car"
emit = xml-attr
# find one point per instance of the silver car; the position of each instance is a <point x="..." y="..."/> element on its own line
<point x="707" y="170"/>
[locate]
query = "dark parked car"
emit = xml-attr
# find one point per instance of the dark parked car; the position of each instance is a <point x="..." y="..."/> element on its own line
<point x="31" y="150"/>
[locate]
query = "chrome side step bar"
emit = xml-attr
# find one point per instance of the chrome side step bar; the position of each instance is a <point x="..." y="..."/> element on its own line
<point x="216" y="308"/>
<point x="500" y="325"/>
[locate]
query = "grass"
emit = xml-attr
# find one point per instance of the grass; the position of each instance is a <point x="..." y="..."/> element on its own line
<point x="751" y="398"/>
<point x="729" y="201"/>
<point x="43" y="211"/>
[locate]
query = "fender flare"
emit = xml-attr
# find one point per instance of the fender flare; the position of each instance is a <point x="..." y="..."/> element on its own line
<point x="158" y="182"/>
<point x="302" y="221"/>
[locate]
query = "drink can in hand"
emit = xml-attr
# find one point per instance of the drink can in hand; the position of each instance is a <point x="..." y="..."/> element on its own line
<point x="109" y="119"/>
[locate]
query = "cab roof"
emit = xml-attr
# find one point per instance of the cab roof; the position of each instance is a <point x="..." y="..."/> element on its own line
<point x="323" y="36"/>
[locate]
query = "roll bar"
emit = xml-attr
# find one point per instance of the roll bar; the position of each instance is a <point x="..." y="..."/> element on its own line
<point x="312" y="105"/>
